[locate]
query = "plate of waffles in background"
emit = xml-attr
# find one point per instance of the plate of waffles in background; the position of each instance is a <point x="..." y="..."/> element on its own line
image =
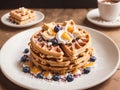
<point x="22" y="17"/>
<point x="59" y="56"/>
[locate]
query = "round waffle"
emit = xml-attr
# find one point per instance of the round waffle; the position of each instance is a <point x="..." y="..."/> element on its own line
<point x="66" y="65"/>
<point x="22" y="16"/>
<point x="60" y="58"/>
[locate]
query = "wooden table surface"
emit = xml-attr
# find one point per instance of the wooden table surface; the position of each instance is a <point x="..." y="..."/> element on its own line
<point x="60" y="15"/>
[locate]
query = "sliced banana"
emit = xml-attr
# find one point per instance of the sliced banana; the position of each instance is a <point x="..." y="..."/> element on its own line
<point x="46" y="36"/>
<point x="64" y="37"/>
<point x="77" y="34"/>
<point x="51" y="32"/>
<point x="70" y="27"/>
<point x="45" y="26"/>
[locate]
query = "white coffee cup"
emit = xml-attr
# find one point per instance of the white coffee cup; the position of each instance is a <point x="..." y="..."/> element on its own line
<point x="108" y="9"/>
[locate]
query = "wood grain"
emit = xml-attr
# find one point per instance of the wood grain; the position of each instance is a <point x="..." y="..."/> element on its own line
<point x="60" y="15"/>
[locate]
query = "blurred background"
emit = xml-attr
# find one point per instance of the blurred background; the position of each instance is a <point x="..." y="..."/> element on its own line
<point x="6" y="4"/>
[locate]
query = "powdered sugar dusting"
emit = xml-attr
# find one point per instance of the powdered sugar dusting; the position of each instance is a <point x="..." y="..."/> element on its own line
<point x="117" y="21"/>
<point x="114" y="22"/>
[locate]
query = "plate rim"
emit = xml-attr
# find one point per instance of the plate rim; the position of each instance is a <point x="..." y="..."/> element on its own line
<point x="22" y="26"/>
<point x="97" y="23"/>
<point x="102" y="80"/>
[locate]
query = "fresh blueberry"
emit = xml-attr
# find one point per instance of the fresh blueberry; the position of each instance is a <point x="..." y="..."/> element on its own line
<point x="57" y="28"/>
<point x="24" y="58"/>
<point x="26" y="50"/>
<point x="92" y="58"/>
<point x="54" y="41"/>
<point x="56" y="77"/>
<point x="70" y="78"/>
<point x="86" y="70"/>
<point x="40" y="75"/>
<point x="26" y="69"/>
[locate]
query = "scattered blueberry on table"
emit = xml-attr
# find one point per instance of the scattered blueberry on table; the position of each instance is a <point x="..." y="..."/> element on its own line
<point x="56" y="77"/>
<point x="92" y="58"/>
<point x="26" y="69"/>
<point x="40" y="75"/>
<point x="70" y="78"/>
<point x="24" y="58"/>
<point x="86" y="70"/>
<point x="26" y="50"/>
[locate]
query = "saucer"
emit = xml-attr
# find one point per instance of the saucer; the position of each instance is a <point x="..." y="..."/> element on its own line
<point x="94" y="17"/>
<point x="39" y="17"/>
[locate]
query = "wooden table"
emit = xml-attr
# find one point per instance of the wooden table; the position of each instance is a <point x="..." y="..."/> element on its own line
<point x="59" y="15"/>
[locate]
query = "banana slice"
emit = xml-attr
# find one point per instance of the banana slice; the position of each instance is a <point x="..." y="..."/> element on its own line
<point x="64" y="37"/>
<point x="46" y="36"/>
<point x="77" y="34"/>
<point x="51" y="32"/>
<point x="45" y="26"/>
<point x="70" y="27"/>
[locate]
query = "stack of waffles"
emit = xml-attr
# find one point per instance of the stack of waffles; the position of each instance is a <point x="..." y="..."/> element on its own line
<point x="22" y="16"/>
<point x="60" y="47"/>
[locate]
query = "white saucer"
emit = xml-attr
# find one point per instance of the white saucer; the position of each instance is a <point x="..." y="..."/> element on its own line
<point x="107" y="62"/>
<point x="39" y="17"/>
<point x="94" y="17"/>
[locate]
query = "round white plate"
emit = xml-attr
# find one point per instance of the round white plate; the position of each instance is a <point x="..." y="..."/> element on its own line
<point x="39" y="17"/>
<point x="94" y="17"/>
<point x="107" y="62"/>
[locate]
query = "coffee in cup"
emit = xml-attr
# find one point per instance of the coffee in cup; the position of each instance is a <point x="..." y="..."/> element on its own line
<point x="109" y="9"/>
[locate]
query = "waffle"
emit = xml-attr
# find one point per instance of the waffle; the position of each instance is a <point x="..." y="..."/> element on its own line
<point x="22" y="16"/>
<point x="78" y="45"/>
<point x="66" y="65"/>
<point x="62" y="57"/>
<point x="14" y="20"/>
<point x="40" y="45"/>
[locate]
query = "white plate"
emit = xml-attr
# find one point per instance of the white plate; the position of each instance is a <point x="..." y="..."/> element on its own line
<point x="105" y="50"/>
<point x="39" y="17"/>
<point x="94" y="17"/>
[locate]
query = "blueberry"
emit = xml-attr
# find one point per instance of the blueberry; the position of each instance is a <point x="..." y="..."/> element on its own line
<point x="92" y="58"/>
<point x="57" y="28"/>
<point x="54" y="41"/>
<point x="26" y="50"/>
<point x="56" y="77"/>
<point x="24" y="58"/>
<point x="40" y="75"/>
<point x="26" y="69"/>
<point x="86" y="70"/>
<point x="70" y="78"/>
